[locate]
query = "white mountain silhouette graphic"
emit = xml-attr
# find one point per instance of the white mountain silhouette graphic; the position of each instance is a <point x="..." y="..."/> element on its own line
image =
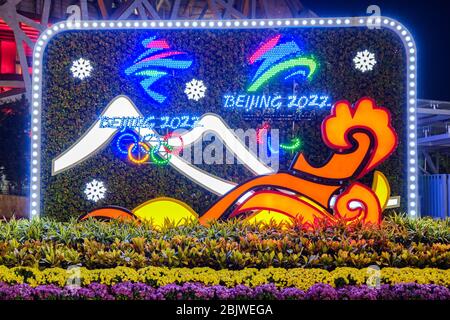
<point x="97" y="138"/>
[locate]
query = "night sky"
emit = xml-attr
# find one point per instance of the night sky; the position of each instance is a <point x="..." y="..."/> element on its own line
<point x="428" y="21"/>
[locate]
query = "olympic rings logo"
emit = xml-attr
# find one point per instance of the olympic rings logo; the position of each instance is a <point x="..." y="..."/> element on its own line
<point x="136" y="160"/>
<point x="150" y="149"/>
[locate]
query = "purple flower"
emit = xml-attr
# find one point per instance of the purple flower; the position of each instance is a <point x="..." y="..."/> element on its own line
<point x="414" y="291"/>
<point x="123" y="291"/>
<point x="243" y="292"/>
<point x="266" y="291"/>
<point x="94" y="291"/>
<point x="142" y="291"/>
<point x="223" y="293"/>
<point x="16" y="292"/>
<point x="321" y="291"/>
<point x="293" y="294"/>
<point x="48" y="292"/>
<point x="357" y="293"/>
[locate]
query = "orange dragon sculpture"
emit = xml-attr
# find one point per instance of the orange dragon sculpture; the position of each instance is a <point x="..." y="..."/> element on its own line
<point x="361" y="137"/>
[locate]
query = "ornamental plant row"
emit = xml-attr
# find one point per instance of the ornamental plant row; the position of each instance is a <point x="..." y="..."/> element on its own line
<point x="282" y="278"/>
<point x="395" y="228"/>
<point x="225" y="253"/>
<point x="193" y="291"/>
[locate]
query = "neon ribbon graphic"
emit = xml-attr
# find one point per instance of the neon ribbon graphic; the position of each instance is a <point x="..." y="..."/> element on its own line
<point x="294" y="145"/>
<point x="286" y="65"/>
<point x="278" y="57"/>
<point x="153" y="65"/>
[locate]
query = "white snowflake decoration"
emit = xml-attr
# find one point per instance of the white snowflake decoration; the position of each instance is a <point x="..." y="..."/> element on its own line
<point x="81" y="68"/>
<point x="95" y="190"/>
<point x="364" y="61"/>
<point x="195" y="89"/>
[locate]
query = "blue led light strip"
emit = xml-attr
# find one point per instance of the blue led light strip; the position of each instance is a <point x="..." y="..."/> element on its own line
<point x="248" y="102"/>
<point x="164" y="122"/>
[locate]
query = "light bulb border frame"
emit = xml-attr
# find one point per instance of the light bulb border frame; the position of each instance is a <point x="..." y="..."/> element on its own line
<point x="335" y="22"/>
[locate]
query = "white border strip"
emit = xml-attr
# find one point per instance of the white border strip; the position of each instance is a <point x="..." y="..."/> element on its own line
<point x="388" y="23"/>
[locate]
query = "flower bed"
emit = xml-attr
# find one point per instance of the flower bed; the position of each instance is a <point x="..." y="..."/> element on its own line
<point x="192" y="291"/>
<point x="228" y="260"/>
<point x="283" y="278"/>
<point x="398" y="243"/>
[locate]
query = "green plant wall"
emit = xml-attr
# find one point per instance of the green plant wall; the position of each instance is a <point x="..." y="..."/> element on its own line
<point x="71" y="106"/>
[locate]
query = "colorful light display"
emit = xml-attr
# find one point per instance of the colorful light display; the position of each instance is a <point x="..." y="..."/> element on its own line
<point x="95" y="190"/>
<point x="308" y="200"/>
<point x="143" y="157"/>
<point x="163" y="122"/>
<point x="354" y="134"/>
<point x="81" y="68"/>
<point x="364" y="61"/>
<point x="149" y="148"/>
<point x="269" y="145"/>
<point x="274" y="66"/>
<point x="291" y="103"/>
<point x="260" y="131"/>
<point x="264" y="130"/>
<point x="160" y="212"/>
<point x="158" y="159"/>
<point x="277" y="58"/>
<point x="293" y="146"/>
<point x="157" y="62"/>
<point x="195" y="89"/>
<point x="124" y="141"/>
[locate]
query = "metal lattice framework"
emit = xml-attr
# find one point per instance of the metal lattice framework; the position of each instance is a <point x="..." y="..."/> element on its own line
<point x="434" y="132"/>
<point x="13" y="14"/>
<point x="10" y="15"/>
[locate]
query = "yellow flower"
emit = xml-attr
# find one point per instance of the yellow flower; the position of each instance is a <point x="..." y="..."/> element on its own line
<point x="160" y="276"/>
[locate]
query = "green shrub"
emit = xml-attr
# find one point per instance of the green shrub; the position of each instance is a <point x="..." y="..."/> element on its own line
<point x="396" y="228"/>
<point x="399" y="242"/>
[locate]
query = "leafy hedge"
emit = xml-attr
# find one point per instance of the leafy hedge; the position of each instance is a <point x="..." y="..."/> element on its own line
<point x="45" y="243"/>
<point x="220" y="254"/>
<point x="395" y="228"/>
<point x="71" y="106"/>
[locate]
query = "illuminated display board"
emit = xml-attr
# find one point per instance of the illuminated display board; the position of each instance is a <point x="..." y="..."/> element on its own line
<point x="125" y="112"/>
